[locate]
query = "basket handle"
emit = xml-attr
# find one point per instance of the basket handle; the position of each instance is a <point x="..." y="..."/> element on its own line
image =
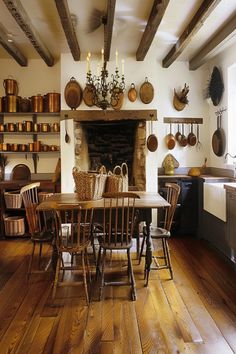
<point x="102" y="170"/>
<point x="124" y="169"/>
<point x="117" y="170"/>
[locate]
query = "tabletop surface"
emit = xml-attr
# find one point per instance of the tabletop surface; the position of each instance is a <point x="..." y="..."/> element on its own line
<point x="147" y="200"/>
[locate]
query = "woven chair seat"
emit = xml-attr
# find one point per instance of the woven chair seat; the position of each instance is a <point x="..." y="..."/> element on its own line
<point x="42" y="236"/>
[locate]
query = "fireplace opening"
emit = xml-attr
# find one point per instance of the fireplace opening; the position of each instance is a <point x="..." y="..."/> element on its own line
<point x="111" y="143"/>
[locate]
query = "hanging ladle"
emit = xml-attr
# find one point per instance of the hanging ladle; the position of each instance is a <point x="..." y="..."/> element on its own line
<point x="67" y="137"/>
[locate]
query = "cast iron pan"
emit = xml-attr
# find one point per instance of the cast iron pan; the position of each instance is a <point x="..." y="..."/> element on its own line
<point x="216" y="86"/>
<point x="218" y="139"/>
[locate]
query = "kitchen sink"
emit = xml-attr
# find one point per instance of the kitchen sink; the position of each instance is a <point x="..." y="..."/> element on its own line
<point x="214" y="198"/>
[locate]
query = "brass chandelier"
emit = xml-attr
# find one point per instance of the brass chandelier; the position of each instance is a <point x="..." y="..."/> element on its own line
<point x="105" y="93"/>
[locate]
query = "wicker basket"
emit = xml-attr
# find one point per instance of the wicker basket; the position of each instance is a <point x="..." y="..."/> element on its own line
<point x="14" y="225"/>
<point x="90" y="185"/>
<point x="117" y="181"/>
<point x="13" y="199"/>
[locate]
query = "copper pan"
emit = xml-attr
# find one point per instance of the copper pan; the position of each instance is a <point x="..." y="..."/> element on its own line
<point x="152" y="142"/>
<point x="170" y="139"/>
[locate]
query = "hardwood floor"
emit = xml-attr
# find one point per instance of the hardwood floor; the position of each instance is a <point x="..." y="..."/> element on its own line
<point x="194" y="313"/>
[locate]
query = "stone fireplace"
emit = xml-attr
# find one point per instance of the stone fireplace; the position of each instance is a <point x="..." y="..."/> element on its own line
<point x="108" y="138"/>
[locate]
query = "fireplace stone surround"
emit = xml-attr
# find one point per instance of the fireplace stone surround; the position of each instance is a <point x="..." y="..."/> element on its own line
<point x="111" y="138"/>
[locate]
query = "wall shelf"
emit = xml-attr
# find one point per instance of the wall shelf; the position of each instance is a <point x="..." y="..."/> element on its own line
<point x="176" y="120"/>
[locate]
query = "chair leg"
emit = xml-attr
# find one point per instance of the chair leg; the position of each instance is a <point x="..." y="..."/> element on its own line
<point x="102" y="275"/>
<point x="88" y="266"/>
<point x="40" y="254"/>
<point x="142" y="247"/>
<point x="168" y="258"/>
<point x="31" y="260"/>
<point x="98" y="263"/>
<point x="133" y="290"/>
<point x="85" y="277"/>
<point x="164" y="251"/>
<point x="94" y="252"/>
<point x="56" y="276"/>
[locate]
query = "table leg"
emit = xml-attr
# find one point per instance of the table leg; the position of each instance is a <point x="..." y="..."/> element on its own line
<point x="148" y="258"/>
<point x="54" y="255"/>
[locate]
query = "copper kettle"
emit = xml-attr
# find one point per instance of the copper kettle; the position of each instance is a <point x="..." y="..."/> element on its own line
<point x="11" y="87"/>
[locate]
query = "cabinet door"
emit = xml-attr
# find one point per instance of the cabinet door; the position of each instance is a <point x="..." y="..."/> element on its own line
<point x="189" y="207"/>
<point x="231" y="220"/>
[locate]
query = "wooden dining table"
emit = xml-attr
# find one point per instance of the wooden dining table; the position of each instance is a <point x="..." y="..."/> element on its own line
<point x="144" y="205"/>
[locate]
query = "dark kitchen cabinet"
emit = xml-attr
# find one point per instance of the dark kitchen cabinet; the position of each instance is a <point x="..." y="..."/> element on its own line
<point x="185" y="220"/>
<point x="231" y="222"/>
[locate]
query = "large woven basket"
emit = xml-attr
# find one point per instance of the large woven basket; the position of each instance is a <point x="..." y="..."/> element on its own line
<point x="13" y="199"/>
<point x="90" y="185"/>
<point x="14" y="225"/>
<point x="117" y="181"/>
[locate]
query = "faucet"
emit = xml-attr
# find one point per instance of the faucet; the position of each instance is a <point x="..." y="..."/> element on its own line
<point x="234" y="162"/>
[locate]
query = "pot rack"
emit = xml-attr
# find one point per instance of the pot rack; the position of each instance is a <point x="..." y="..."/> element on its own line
<point x="176" y="120"/>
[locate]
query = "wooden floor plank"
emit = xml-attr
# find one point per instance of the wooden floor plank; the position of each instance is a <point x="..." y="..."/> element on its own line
<point x="212" y="337"/>
<point x="187" y="327"/>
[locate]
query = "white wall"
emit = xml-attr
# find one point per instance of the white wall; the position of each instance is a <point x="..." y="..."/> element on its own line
<point x="164" y="82"/>
<point x="225" y="61"/>
<point x="36" y="78"/>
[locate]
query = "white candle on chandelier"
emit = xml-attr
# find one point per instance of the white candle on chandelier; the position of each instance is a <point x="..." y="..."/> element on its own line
<point x="116" y="59"/>
<point x="87" y="64"/>
<point x="122" y="67"/>
<point x="89" y="56"/>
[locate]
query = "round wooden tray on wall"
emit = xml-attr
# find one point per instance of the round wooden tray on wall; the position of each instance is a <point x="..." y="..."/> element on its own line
<point x="146" y="92"/>
<point x="73" y="93"/>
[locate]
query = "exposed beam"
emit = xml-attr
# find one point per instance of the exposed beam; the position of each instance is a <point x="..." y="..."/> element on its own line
<point x="23" y="20"/>
<point x="218" y="40"/>
<point x="108" y="29"/>
<point x="156" y="15"/>
<point x="12" y="49"/>
<point x="192" y="28"/>
<point x="68" y="27"/>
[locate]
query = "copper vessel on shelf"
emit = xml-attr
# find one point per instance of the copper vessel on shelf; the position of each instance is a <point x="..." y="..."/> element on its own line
<point x="52" y="102"/>
<point x="11" y="86"/>
<point x="37" y="104"/>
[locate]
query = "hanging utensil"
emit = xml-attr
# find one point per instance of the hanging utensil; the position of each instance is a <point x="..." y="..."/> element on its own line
<point x="170" y="139"/>
<point x="152" y="142"/>
<point x="199" y="144"/>
<point x="178" y="134"/>
<point x="183" y="140"/>
<point x="67" y="137"/>
<point x="218" y="139"/>
<point x="192" y="139"/>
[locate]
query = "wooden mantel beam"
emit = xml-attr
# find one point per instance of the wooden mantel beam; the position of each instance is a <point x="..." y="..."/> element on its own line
<point x="18" y="12"/>
<point x="110" y="115"/>
<point x="12" y="49"/>
<point x="156" y="15"/>
<point x="192" y="28"/>
<point x="108" y="28"/>
<point x="217" y="41"/>
<point x="68" y="27"/>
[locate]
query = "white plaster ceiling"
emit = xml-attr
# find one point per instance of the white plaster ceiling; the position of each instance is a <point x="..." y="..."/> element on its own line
<point x="130" y="20"/>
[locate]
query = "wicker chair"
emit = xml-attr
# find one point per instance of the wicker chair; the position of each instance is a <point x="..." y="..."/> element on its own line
<point x="158" y="233"/>
<point x="118" y="228"/>
<point x="73" y="236"/>
<point x="40" y="227"/>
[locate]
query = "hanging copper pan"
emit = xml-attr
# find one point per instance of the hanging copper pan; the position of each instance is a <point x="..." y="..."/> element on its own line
<point x="88" y="95"/>
<point x="218" y="139"/>
<point x="152" y="142"/>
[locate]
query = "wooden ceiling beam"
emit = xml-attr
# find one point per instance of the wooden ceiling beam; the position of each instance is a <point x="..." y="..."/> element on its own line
<point x="192" y="28"/>
<point x="68" y="27"/>
<point x="108" y="28"/>
<point x="12" y="49"/>
<point x="217" y="41"/>
<point x="156" y="15"/>
<point x="23" y="20"/>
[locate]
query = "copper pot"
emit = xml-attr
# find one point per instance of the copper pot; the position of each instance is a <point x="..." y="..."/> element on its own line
<point x="6" y="147"/>
<point x="44" y="147"/>
<point x="36" y="127"/>
<point x="56" y="127"/>
<point x="11" y="103"/>
<point x="37" y="146"/>
<point x="2" y="127"/>
<point x="22" y="147"/>
<point x="20" y="127"/>
<point x="28" y="126"/>
<point x="24" y="105"/>
<point x="10" y="127"/>
<point x="31" y="147"/>
<point x="11" y="87"/>
<point x="45" y="127"/>
<point x="52" y="102"/>
<point x="14" y="147"/>
<point x="37" y="103"/>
